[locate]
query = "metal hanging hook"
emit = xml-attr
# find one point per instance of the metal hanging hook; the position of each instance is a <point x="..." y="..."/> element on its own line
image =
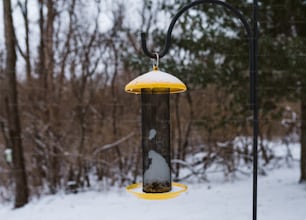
<point x="156" y="62"/>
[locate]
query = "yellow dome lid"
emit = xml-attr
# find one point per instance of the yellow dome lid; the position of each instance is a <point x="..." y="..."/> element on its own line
<point x="157" y="80"/>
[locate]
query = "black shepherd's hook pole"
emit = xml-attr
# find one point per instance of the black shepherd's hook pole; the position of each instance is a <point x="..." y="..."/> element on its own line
<point x="254" y="69"/>
<point x="252" y="35"/>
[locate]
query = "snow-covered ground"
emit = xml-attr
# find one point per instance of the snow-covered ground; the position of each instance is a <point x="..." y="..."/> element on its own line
<point x="280" y="197"/>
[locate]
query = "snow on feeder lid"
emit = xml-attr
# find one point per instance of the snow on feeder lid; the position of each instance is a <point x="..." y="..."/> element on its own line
<point x="155" y="88"/>
<point x="157" y="80"/>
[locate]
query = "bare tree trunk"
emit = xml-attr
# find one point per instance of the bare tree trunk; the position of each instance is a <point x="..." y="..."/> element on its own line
<point x="46" y="80"/>
<point x="189" y="126"/>
<point x="41" y="64"/>
<point x="67" y="50"/>
<point x="114" y="108"/>
<point x="183" y="134"/>
<point x="21" y="191"/>
<point x="27" y="54"/>
<point x="49" y="58"/>
<point x="50" y="101"/>
<point x="303" y="133"/>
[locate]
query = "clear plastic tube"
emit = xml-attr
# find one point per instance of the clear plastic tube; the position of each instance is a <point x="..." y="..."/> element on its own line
<point x="156" y="140"/>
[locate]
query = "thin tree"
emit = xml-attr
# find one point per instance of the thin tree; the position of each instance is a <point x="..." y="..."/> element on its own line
<point x="19" y="171"/>
<point x="26" y="55"/>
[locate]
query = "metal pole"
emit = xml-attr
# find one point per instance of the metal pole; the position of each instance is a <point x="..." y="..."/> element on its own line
<point x="255" y="106"/>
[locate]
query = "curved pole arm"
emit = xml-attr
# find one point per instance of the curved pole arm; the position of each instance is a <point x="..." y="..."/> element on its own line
<point x="176" y="17"/>
<point x="236" y="12"/>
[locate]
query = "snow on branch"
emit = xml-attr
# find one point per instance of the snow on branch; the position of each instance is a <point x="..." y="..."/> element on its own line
<point x="116" y="143"/>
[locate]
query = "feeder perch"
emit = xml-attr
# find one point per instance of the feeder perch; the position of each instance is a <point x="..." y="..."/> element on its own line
<point x="177" y="189"/>
<point x="155" y="88"/>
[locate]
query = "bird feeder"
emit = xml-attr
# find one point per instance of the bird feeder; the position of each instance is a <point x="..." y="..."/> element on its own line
<point x="155" y="88"/>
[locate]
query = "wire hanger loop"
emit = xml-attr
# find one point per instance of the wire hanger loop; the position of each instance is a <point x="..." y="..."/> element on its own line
<point x="156" y="62"/>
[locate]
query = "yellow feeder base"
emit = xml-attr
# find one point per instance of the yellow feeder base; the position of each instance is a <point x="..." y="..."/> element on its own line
<point x="135" y="189"/>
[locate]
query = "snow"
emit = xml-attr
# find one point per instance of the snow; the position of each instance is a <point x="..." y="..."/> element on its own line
<point x="280" y="197"/>
<point x="156" y="76"/>
<point x="155" y="79"/>
<point x="8" y="155"/>
<point x="152" y="133"/>
<point x="158" y="169"/>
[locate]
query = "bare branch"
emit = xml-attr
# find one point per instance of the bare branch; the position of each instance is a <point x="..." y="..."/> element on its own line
<point x="115" y="144"/>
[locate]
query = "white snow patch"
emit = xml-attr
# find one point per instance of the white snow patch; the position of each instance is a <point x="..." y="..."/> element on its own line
<point x="158" y="169"/>
<point x="8" y="154"/>
<point x="280" y="197"/>
<point x="152" y="134"/>
<point x="156" y="76"/>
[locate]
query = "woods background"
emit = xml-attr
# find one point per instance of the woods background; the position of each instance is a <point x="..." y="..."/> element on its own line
<point x="80" y="130"/>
